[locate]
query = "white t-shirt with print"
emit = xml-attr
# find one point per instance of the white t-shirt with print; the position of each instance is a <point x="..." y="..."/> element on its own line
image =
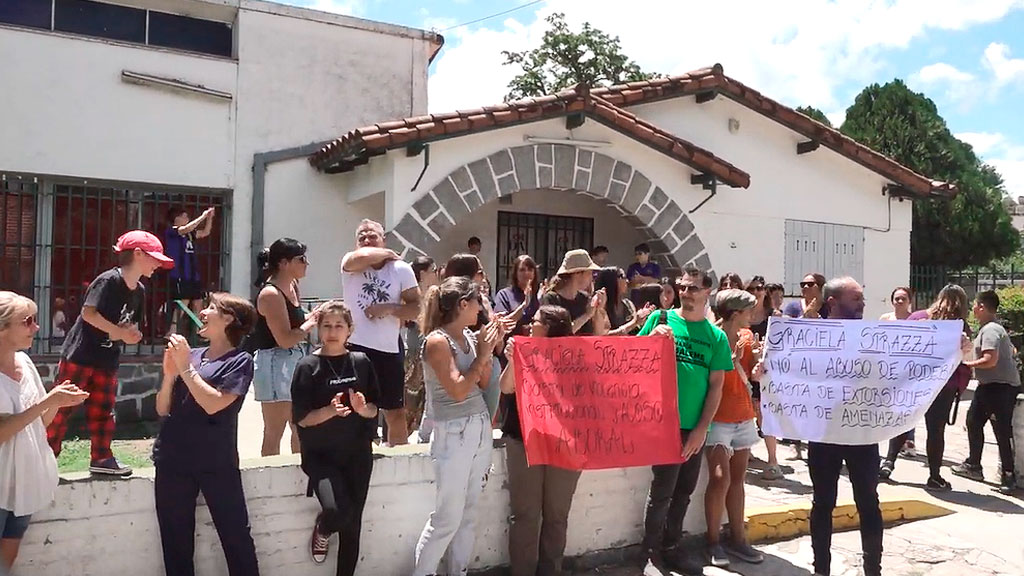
<point x="384" y="286"/>
<point x="28" y="470"/>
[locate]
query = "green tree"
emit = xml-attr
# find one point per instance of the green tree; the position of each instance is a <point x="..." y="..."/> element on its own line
<point x="972" y="229"/>
<point x="815" y="114"/>
<point x="566" y="58"/>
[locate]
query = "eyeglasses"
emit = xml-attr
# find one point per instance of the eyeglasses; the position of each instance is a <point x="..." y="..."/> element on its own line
<point x="808" y="284"/>
<point x="29" y="321"/>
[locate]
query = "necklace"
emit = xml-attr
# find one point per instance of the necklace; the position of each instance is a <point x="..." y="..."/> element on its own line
<point x="330" y="366"/>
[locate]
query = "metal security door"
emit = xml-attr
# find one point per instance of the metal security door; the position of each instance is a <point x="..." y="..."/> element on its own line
<point x="545" y="238"/>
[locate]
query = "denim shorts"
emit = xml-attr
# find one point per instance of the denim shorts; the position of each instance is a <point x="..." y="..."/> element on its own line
<point x="11" y="526"/>
<point x="733" y="436"/>
<point x="272" y="373"/>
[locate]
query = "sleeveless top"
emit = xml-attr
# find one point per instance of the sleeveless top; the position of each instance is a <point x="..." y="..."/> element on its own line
<point x="262" y="338"/>
<point x="444" y="407"/>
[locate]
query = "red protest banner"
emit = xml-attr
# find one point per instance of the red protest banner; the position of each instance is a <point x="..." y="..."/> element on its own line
<point x="587" y="403"/>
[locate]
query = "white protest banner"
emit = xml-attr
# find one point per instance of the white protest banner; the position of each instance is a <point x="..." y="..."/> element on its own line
<point x="853" y="381"/>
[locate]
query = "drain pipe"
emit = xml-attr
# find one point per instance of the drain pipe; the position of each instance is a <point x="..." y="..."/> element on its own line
<point x="259" y="172"/>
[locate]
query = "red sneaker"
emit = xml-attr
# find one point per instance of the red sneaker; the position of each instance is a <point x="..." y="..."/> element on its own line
<point x="318" y="543"/>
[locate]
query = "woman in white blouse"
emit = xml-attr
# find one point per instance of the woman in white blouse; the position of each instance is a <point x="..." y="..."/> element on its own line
<point x="28" y="470"/>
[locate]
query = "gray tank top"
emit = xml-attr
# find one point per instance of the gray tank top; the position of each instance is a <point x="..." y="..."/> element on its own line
<point x="443" y="406"/>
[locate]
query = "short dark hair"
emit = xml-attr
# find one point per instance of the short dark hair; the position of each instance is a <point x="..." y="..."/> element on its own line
<point x="642" y="247"/>
<point x="556" y="319"/>
<point x="462" y="265"/>
<point x="598" y="250"/>
<point x="125" y="258"/>
<point x="705" y="278"/>
<point x="420" y="265"/>
<point x="473" y="240"/>
<point x="243" y="312"/>
<point x="989" y="299"/>
<point x="175" y="211"/>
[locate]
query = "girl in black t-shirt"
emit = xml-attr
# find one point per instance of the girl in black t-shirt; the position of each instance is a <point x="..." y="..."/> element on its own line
<point x="334" y="396"/>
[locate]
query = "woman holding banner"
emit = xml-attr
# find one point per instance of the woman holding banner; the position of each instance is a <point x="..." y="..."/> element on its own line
<point x="456" y="366"/>
<point x="733" y="433"/>
<point x="951" y="304"/>
<point x="541" y="496"/>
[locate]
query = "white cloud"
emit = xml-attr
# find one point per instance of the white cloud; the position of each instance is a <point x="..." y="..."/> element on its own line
<point x="1005" y="69"/>
<point x="1006" y="156"/>
<point x="800" y="55"/>
<point x="958" y="86"/>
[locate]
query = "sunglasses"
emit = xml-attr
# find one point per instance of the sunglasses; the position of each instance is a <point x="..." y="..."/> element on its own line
<point x="302" y="259"/>
<point x="688" y="288"/>
<point x="808" y="284"/>
<point x="759" y="288"/>
<point x="29" y="321"/>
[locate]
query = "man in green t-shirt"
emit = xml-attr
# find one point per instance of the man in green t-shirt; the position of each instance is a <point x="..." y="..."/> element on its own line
<point x="702" y="359"/>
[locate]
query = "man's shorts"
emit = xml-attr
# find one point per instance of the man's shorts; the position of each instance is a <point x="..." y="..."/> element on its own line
<point x="733" y="436"/>
<point x="390" y="370"/>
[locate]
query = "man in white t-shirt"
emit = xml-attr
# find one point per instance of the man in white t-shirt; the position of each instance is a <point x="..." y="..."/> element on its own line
<point x="383" y="293"/>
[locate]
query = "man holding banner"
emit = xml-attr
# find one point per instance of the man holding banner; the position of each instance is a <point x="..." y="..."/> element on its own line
<point x="845" y="385"/>
<point x="702" y="358"/>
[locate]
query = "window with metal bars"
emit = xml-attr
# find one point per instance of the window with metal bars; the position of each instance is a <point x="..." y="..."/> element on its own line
<point x="58" y="236"/>
<point x="545" y="238"/>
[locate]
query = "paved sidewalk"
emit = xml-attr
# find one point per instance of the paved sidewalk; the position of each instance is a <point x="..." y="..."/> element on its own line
<point x="983" y="537"/>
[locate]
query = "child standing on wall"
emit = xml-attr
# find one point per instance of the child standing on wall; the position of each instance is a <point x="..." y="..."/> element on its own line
<point x="111" y="314"/>
<point x="334" y="403"/>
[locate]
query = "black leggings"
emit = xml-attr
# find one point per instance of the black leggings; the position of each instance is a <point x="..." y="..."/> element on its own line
<point x="341" y="483"/>
<point x="935" y="420"/>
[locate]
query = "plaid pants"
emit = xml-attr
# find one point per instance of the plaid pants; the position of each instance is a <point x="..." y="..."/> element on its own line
<point x="99" y="408"/>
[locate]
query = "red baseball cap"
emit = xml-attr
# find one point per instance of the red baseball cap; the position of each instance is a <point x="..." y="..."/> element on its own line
<point x="146" y="242"/>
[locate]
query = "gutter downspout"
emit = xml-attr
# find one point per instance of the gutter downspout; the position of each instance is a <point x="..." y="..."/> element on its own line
<point x="260" y="161"/>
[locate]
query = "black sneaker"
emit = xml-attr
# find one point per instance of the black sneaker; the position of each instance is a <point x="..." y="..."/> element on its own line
<point x="744" y="552"/>
<point x="968" y="471"/>
<point x="109" y="467"/>
<point x="717" y="557"/>
<point x="938" y="484"/>
<point x="679" y="561"/>
<point x="885" y="471"/>
<point x="1008" y="483"/>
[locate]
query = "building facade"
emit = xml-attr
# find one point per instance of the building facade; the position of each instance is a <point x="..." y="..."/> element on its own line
<point x="121" y="109"/>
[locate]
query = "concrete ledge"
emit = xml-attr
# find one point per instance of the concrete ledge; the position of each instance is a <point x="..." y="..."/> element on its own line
<point x="775" y="523"/>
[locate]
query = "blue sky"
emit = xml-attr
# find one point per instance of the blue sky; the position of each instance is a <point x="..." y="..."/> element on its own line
<point x="966" y="55"/>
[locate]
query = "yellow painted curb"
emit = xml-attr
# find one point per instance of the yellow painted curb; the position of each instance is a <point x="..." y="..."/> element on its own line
<point x="783" y="522"/>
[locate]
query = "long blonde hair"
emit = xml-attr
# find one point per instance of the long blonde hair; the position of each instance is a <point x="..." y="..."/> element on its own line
<point x="441" y="302"/>
<point x="950" y="304"/>
<point x="11" y="304"/>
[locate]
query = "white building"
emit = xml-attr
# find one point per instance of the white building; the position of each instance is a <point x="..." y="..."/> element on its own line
<point x="116" y="110"/>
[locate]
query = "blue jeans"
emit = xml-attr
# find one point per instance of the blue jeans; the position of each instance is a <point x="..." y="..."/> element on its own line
<point x="13" y="527"/>
<point x="461" y="454"/>
<point x="272" y="373"/>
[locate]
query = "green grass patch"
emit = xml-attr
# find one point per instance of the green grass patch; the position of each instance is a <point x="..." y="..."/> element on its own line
<point x="74" y="455"/>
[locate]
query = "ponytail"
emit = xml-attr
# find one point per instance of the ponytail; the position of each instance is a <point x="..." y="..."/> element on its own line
<point x="262" y="268"/>
<point x="442" y="302"/>
<point x="430" y="312"/>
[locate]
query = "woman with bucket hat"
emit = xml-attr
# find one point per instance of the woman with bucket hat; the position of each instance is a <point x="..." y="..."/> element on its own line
<point x="568" y="291"/>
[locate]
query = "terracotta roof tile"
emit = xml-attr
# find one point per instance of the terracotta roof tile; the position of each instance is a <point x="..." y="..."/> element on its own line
<point x="344" y="153"/>
<point x="714" y="78"/>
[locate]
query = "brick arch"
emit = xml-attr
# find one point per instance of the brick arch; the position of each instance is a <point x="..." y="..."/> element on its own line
<point x="673" y="239"/>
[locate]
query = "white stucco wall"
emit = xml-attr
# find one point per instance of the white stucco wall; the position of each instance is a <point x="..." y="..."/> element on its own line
<point x="109" y="527"/>
<point x="66" y="112"/>
<point x="309" y="207"/>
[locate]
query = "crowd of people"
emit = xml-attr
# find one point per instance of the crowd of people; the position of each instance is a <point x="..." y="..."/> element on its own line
<point x="424" y="351"/>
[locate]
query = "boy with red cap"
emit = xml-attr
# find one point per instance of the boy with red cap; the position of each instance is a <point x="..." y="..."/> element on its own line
<point x="111" y="314"/>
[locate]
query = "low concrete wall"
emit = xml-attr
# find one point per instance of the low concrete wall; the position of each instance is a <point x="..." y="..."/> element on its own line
<point x="100" y="528"/>
<point x="137" y="385"/>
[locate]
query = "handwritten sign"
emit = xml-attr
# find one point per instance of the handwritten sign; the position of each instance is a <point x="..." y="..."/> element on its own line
<point x="853" y="381"/>
<point x="587" y="403"/>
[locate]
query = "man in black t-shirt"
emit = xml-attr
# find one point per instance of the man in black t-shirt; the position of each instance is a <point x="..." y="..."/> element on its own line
<point x="111" y="314"/>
